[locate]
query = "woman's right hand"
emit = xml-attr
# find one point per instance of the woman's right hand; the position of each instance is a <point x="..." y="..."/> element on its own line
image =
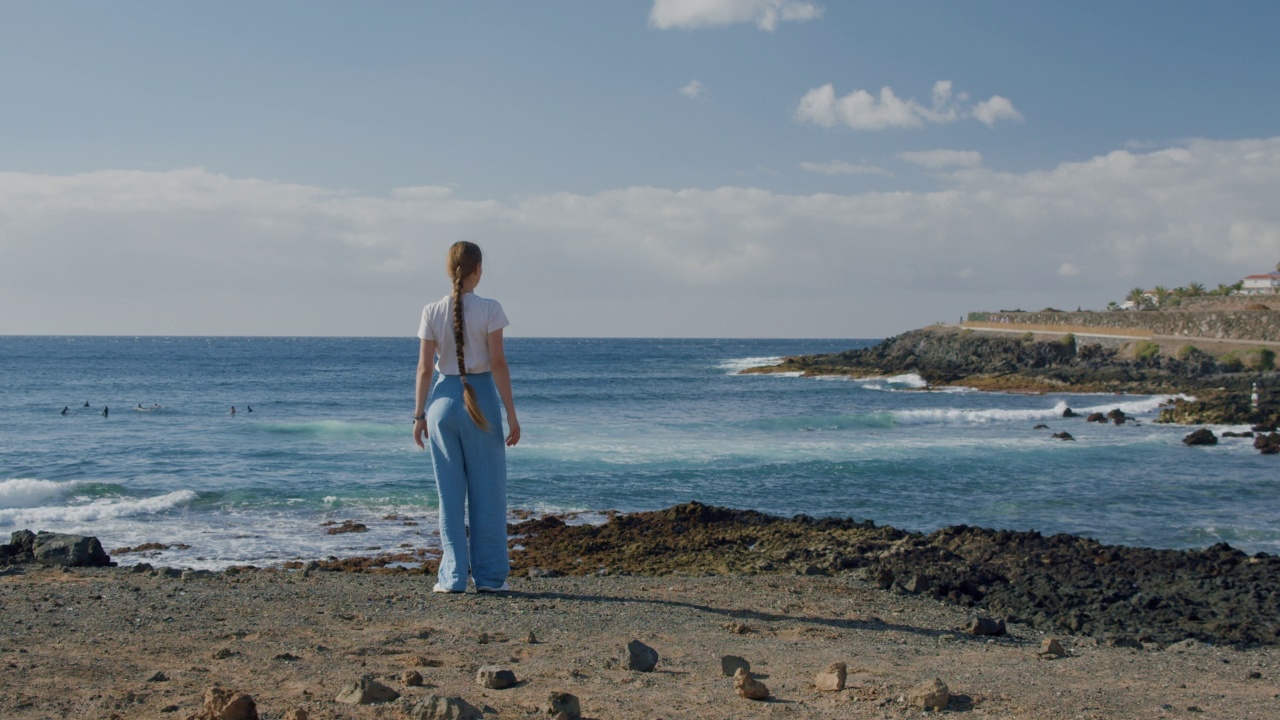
<point x="420" y="433"/>
<point x="513" y="434"/>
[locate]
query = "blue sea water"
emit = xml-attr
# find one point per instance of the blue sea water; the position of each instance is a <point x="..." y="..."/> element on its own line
<point x="607" y="424"/>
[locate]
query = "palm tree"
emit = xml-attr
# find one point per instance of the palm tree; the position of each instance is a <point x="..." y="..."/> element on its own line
<point x="1137" y="296"/>
<point x="1195" y="289"/>
<point x="1162" y="294"/>
<point x="1223" y="289"/>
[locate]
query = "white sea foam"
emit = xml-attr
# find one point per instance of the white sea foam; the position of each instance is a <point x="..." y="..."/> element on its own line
<point x="966" y="415"/>
<point x="98" y="510"/>
<point x="30" y="493"/>
<point x="737" y="365"/>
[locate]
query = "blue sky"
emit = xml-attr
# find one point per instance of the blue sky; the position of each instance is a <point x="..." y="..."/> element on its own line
<point x="668" y="168"/>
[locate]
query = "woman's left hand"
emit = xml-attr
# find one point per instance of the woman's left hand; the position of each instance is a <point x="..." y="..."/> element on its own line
<point x="420" y="433"/>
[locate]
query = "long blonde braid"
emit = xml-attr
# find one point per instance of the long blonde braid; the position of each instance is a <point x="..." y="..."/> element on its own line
<point x="464" y="258"/>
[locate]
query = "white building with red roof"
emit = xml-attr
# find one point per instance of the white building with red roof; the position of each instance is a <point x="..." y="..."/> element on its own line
<point x="1264" y="284"/>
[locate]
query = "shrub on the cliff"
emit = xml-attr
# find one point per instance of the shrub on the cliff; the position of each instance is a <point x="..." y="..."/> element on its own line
<point x="1145" y="350"/>
<point x="1069" y="341"/>
<point x="1259" y="359"/>
<point x="979" y="316"/>
<point x="1189" y="352"/>
<point x="1231" y="361"/>
<point x="1028" y="336"/>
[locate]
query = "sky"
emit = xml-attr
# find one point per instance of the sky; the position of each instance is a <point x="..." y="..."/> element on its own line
<point x="633" y="168"/>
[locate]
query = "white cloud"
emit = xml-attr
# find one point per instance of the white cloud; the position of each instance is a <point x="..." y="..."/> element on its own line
<point x="195" y="252"/>
<point x="860" y="110"/>
<point x="936" y="159"/>
<point x="840" y="167"/>
<point x="693" y="90"/>
<point x="989" y="112"/>
<point x="693" y="14"/>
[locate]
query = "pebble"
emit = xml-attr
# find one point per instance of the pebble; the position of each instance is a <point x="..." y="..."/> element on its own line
<point x="436" y="707"/>
<point x="640" y="657"/>
<point x="563" y="706"/>
<point x="366" y="691"/>
<point x="729" y="664"/>
<point x="411" y="678"/>
<point x="531" y="639"/>
<point x="832" y="679"/>
<point x="981" y="625"/>
<point x="225" y="704"/>
<point x="223" y="654"/>
<point x="495" y="678"/>
<point x="1051" y="649"/>
<point x="930" y="695"/>
<point x="296" y="714"/>
<point x="748" y="687"/>
<point x="158" y="676"/>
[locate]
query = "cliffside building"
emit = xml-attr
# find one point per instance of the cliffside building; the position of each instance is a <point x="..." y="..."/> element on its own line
<point x="1264" y="284"/>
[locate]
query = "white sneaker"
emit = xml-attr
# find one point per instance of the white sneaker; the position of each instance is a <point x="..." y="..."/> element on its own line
<point x="505" y="588"/>
<point x="442" y="589"/>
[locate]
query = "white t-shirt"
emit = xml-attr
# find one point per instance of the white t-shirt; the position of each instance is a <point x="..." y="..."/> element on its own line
<point x="481" y="316"/>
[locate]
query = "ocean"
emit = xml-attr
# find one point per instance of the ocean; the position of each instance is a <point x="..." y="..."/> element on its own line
<point x="608" y="424"/>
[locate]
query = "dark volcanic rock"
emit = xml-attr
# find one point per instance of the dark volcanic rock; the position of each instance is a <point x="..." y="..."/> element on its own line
<point x="1268" y="444"/>
<point x="999" y="361"/>
<point x="1059" y="583"/>
<point x="1064" y="435"/>
<point x="1069" y="413"/>
<point x="48" y="548"/>
<point x="1203" y="436"/>
<point x="1096" y="417"/>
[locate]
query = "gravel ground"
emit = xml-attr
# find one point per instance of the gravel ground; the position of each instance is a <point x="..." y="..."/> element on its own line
<point x="86" y="643"/>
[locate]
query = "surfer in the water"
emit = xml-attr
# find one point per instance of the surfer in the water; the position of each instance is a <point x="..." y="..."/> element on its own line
<point x="66" y="409"/>
<point x="233" y="411"/>
<point x="106" y="411"/>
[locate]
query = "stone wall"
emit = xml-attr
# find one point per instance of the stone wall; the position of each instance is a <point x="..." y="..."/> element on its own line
<point x="1248" y="325"/>
<point x="1211" y="303"/>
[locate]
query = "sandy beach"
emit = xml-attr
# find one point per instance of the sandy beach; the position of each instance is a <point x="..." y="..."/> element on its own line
<point x="89" y="642"/>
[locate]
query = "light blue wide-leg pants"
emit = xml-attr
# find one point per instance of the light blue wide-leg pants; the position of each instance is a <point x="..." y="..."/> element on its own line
<point x="471" y="477"/>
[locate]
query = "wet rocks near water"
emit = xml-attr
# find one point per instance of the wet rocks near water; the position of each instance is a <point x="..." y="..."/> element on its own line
<point x="730" y="664"/>
<point x="495" y="678"/>
<point x="985" y="626"/>
<point x="1040" y="426"/>
<point x="748" y="687"/>
<point x="435" y="707"/>
<point x="347" y="526"/>
<point x="366" y="691"/>
<point x="149" y="547"/>
<point x="1117" y="416"/>
<point x="563" y="706"/>
<point x="1203" y="436"/>
<point x="1058" y="584"/>
<point x="46" y="548"/>
<point x="640" y="657"/>
<point x="1064" y="435"/>
<point x="930" y="695"/>
<point x="1096" y="417"/>
<point x="1069" y="413"/>
<point x="833" y="678"/>
<point x="1268" y="444"/>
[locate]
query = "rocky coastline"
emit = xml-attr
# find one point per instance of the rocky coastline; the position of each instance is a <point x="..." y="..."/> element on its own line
<point x="1010" y="362"/>
<point x="690" y="611"/>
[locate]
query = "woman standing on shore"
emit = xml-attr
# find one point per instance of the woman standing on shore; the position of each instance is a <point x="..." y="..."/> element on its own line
<point x="462" y="340"/>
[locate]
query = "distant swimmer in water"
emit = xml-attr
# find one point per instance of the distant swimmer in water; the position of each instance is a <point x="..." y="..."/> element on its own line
<point x="66" y="409"/>
<point x="106" y="411"/>
<point x="86" y="403"/>
<point x="233" y="411"/>
<point x="248" y="408"/>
